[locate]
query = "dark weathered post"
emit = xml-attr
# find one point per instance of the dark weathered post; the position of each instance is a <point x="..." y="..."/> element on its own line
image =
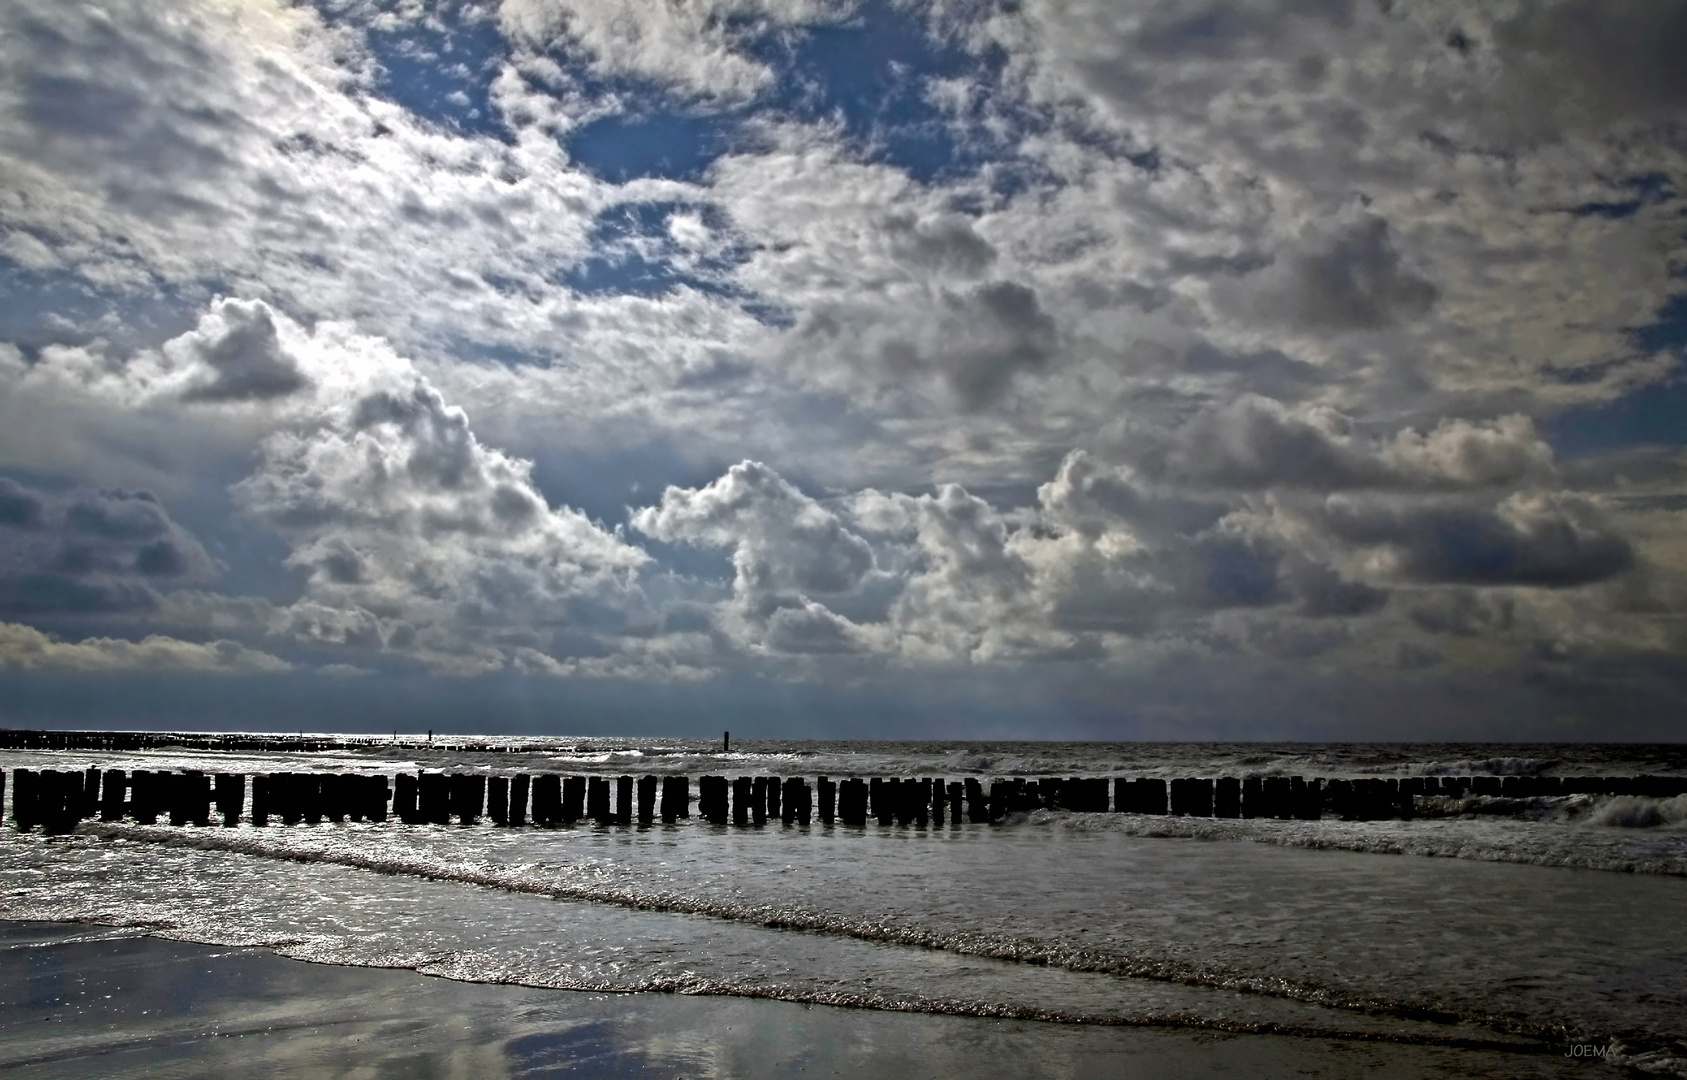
<point x="554" y="801"/>
<point x="378" y="796"/>
<point x="1001" y="794"/>
<point x="597" y="799"/>
<point x="111" y="795"/>
<point x="743" y="790"/>
<point x="498" y="799"/>
<point x="978" y="807"/>
<point x="573" y="806"/>
<point x="260" y="800"/>
<point x="939" y="799"/>
<point x="623" y="800"/>
<point x="957" y="800"/>
<point x="805" y="802"/>
<point x="434" y="798"/>
<point x="518" y="800"/>
<point x="646" y="799"/>
<point x="1253" y="797"/>
<point x="1227" y="797"/>
<point x="90" y="792"/>
<point x="404" y="799"/>
<point x="309" y="791"/>
<point x="852" y="801"/>
<point x="1306" y="799"/>
<point x="25" y="796"/>
<point x="712" y="799"/>
<point x="231" y="797"/>
<point x="760" y="799"/>
<point x="828" y="792"/>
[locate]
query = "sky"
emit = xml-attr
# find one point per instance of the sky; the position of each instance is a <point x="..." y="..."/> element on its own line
<point x="913" y="368"/>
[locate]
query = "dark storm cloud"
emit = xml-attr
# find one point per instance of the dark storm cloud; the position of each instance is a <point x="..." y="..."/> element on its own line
<point x="1551" y="540"/>
<point x="1350" y="279"/>
<point x="90" y="552"/>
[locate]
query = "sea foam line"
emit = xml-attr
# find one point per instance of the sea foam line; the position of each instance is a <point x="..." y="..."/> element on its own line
<point x="1013" y="950"/>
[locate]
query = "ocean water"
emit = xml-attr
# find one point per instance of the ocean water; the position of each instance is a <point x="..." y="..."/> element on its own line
<point x="1529" y="925"/>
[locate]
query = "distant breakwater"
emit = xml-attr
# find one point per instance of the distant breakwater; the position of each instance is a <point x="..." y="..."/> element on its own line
<point x="56" y="800"/>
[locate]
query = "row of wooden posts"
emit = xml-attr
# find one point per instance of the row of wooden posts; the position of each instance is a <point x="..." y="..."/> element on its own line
<point x="55" y="800"/>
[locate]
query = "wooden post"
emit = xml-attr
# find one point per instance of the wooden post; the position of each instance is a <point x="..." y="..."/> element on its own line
<point x="550" y="802"/>
<point x="433" y="798"/>
<point x="1227" y="797"/>
<point x="573" y="800"/>
<point x="623" y="800"/>
<point x="111" y="795"/>
<point x="712" y="799"/>
<point x="597" y="799"/>
<point x="378" y="796"/>
<point x="646" y="799"/>
<point x="773" y="794"/>
<point x="25" y="791"/>
<point x="231" y="797"/>
<point x="260" y="800"/>
<point x="957" y="797"/>
<point x="498" y="799"/>
<point x="518" y="800"/>
<point x="828" y="792"/>
<point x="759" y="800"/>
<point x="743" y="789"/>
<point x="404" y="799"/>
<point x="978" y="808"/>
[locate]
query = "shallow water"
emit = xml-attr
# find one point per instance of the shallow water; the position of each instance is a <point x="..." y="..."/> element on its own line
<point x="1537" y="927"/>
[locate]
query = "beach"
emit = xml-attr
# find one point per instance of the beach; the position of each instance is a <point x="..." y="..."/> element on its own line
<point x="1491" y="939"/>
<point x="82" y="1001"/>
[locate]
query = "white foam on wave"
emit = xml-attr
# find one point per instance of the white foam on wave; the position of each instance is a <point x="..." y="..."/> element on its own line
<point x="1640" y="812"/>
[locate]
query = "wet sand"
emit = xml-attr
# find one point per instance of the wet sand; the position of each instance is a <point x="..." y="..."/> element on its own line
<point x="84" y="1001"/>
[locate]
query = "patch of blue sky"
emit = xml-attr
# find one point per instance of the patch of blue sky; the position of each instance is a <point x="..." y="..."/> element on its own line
<point x="440" y="66"/>
<point x="1654" y="415"/>
<point x="634" y="252"/>
<point x="41" y="307"/>
<point x="873" y="74"/>
<point x="652" y="143"/>
<point x="1647" y="189"/>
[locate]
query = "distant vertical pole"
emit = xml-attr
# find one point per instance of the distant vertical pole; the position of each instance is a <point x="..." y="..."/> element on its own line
<point x="726" y="742"/>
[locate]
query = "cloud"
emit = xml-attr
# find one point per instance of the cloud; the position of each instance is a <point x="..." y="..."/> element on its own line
<point x="1548" y="539"/>
<point x="24" y="648"/>
<point x="91" y="552"/>
<point x="236" y="355"/>
<point x="1253" y="442"/>
<point x="1350" y="280"/>
<point x="416" y="537"/>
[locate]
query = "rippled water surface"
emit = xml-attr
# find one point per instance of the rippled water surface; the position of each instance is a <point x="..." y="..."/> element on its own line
<point x="1528" y="924"/>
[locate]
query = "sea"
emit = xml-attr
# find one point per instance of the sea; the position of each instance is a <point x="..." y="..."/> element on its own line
<point x="1540" y="925"/>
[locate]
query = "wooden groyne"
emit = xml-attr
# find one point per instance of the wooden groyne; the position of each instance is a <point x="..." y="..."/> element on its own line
<point x="55" y="800"/>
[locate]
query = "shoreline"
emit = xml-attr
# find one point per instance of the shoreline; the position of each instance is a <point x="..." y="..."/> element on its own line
<point x="77" y="1002"/>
